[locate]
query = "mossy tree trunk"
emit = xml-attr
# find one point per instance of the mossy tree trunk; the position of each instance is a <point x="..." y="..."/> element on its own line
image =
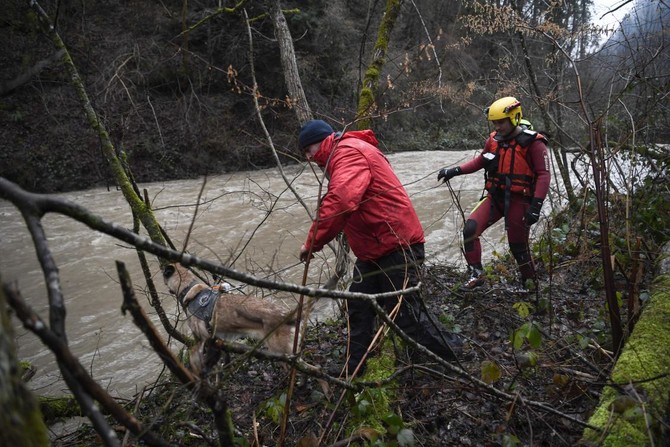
<point x="21" y="422"/>
<point x="629" y="413"/>
<point x="367" y="96"/>
<point x="119" y="169"/>
<point x="634" y="411"/>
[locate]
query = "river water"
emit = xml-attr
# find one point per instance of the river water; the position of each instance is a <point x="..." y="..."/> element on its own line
<point x="247" y="220"/>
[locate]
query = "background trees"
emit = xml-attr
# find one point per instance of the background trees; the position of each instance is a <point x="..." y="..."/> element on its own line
<point x="172" y="82"/>
<point x="172" y="85"/>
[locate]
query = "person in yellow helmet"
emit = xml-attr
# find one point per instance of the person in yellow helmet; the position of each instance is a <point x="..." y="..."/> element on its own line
<point x="517" y="182"/>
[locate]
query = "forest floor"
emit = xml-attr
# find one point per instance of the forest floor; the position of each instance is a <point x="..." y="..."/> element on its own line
<point x="561" y="364"/>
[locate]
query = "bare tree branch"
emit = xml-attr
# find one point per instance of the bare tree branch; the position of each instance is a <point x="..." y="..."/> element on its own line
<point x="212" y="397"/>
<point x="69" y="362"/>
<point x="141" y="320"/>
<point x="9" y="86"/>
<point x="135" y="202"/>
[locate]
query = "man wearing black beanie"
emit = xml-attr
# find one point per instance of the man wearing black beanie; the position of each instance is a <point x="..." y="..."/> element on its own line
<point x="313" y="131"/>
<point x="367" y="202"/>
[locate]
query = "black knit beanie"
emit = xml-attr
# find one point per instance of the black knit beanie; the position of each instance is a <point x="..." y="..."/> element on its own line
<point x="313" y="131"/>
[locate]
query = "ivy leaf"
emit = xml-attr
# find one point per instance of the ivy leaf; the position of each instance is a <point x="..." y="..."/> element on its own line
<point x="394" y="423"/>
<point x="363" y="407"/>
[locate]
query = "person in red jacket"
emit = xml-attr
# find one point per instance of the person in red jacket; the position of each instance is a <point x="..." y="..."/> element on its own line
<point x="517" y="181"/>
<point x="367" y="201"/>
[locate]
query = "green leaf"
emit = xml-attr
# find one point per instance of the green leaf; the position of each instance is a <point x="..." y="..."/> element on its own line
<point x="520" y="335"/>
<point x="583" y="341"/>
<point x="634" y="413"/>
<point x="619" y="297"/>
<point x="490" y="371"/>
<point x="394" y="423"/>
<point x="534" y="336"/>
<point x="362" y="407"/>
<point x="522" y="309"/>
<point x="510" y="440"/>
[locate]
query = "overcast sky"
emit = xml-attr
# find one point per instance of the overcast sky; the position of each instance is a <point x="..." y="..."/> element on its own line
<point x="602" y="6"/>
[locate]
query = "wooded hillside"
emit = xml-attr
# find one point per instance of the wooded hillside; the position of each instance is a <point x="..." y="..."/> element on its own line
<point x="112" y="93"/>
<point x="171" y="81"/>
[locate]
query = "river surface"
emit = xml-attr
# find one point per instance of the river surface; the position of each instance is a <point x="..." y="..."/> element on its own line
<point x="247" y="220"/>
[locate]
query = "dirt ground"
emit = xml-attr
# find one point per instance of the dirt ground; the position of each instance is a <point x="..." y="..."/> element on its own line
<point x="554" y="377"/>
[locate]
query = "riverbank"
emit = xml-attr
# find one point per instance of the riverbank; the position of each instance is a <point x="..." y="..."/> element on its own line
<point x="553" y="377"/>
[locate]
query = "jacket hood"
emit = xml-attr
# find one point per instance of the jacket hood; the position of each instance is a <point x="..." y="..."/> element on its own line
<point x="329" y="145"/>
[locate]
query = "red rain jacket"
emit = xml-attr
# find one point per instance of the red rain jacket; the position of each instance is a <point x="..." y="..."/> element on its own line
<point x="365" y="199"/>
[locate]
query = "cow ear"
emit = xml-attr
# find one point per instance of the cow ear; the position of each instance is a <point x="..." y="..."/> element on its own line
<point x="168" y="270"/>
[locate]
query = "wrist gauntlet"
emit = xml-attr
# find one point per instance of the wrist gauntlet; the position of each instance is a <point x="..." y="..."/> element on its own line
<point x="533" y="212"/>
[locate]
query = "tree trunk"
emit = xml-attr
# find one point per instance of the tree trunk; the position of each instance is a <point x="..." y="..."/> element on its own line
<point x="121" y="173"/>
<point x="21" y="422"/>
<point x="366" y="99"/>
<point x="296" y="93"/>
<point x="532" y="79"/>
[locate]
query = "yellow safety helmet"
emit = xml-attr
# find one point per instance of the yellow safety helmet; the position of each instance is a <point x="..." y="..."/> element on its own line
<point x="526" y="124"/>
<point x="507" y="107"/>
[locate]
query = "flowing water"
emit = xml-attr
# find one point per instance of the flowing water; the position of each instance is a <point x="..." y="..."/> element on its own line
<point x="248" y="220"/>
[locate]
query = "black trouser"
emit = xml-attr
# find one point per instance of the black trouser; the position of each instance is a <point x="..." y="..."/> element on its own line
<point x="397" y="270"/>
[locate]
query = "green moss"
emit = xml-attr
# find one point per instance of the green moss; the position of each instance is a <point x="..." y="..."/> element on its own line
<point x="24" y="427"/>
<point x="21" y="421"/>
<point x="644" y="365"/>
<point x="372" y="405"/>
<point x="383" y="365"/>
<point x="55" y="408"/>
<point x="372" y="73"/>
<point x="24" y="365"/>
<point x="36" y="429"/>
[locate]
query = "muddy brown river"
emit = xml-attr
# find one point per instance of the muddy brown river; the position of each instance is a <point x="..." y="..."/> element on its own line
<point x="247" y="220"/>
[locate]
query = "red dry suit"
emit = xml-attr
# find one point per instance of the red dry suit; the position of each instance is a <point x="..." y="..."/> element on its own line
<point x="519" y="173"/>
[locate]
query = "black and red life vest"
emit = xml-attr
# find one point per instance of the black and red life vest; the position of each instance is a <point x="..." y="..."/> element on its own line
<point x="512" y="172"/>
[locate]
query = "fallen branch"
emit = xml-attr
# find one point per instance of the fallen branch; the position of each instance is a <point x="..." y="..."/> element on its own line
<point x="34" y="323"/>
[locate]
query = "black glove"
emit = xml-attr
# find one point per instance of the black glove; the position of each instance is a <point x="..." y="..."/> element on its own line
<point x="533" y="212"/>
<point x="448" y="173"/>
